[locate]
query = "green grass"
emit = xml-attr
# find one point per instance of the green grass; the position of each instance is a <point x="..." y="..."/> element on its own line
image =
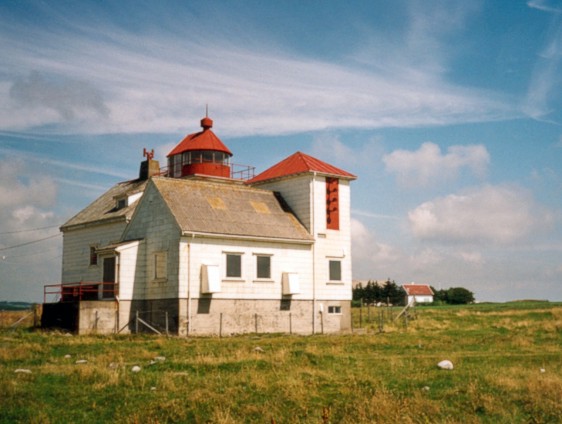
<point x="498" y="352"/>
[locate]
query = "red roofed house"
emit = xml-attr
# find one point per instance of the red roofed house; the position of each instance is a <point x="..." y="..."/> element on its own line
<point x="418" y="293"/>
<point x="202" y="250"/>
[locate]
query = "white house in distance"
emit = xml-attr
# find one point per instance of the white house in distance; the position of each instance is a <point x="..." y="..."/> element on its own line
<point x="418" y="293"/>
<point x="200" y="249"/>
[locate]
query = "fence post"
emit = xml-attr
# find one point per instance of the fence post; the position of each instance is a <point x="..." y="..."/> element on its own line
<point x="167" y="328"/>
<point x="361" y="314"/>
<point x="256" y="322"/>
<point x="137" y="322"/>
<point x="220" y="326"/>
<point x="381" y="321"/>
<point x="322" y="322"/>
<point x="290" y="323"/>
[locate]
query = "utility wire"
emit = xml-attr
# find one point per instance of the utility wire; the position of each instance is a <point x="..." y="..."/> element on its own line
<point x="29" y="242"/>
<point x="26" y="231"/>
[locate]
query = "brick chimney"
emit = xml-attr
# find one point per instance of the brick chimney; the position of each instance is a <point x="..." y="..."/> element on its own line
<point x="149" y="167"/>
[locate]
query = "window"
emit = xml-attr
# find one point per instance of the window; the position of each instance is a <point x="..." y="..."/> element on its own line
<point x="233" y="265"/>
<point x="334" y="309"/>
<point x="332" y="204"/>
<point x="263" y="266"/>
<point x="335" y="270"/>
<point x="93" y="255"/>
<point x="160" y="266"/>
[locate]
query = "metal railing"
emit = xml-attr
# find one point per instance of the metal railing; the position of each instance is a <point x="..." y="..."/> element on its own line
<point x="237" y="172"/>
<point x="72" y="292"/>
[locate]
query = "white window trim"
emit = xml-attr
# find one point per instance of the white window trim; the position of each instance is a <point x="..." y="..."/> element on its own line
<point x="263" y="280"/>
<point x="340" y="260"/>
<point x="339" y="312"/>
<point x="233" y="279"/>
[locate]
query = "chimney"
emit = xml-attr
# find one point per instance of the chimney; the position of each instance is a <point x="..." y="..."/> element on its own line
<point x="149" y="167"/>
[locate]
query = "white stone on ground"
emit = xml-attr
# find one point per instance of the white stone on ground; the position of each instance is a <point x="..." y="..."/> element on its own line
<point x="445" y="365"/>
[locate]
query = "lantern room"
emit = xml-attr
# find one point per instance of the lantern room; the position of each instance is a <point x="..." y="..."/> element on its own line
<point x="202" y="153"/>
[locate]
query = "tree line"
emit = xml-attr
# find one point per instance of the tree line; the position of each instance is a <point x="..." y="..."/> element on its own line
<point x="391" y="293"/>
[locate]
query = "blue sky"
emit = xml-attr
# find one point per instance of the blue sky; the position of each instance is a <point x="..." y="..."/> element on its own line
<point x="449" y="112"/>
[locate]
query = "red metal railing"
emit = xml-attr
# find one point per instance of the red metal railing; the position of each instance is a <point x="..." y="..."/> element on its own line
<point x="72" y="292"/>
<point x="237" y="171"/>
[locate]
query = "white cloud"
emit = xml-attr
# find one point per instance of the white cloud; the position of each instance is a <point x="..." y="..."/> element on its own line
<point x="429" y="164"/>
<point x="152" y="83"/>
<point x="368" y="253"/>
<point x="490" y="214"/>
<point x="545" y="80"/>
<point x="71" y="99"/>
<point x="545" y="5"/>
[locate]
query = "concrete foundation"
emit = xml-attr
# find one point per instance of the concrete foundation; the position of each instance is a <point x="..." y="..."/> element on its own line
<point x="204" y="317"/>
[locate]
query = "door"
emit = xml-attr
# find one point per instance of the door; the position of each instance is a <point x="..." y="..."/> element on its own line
<point x="108" y="278"/>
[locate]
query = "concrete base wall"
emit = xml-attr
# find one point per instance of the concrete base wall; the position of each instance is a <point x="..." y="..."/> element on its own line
<point x="97" y="317"/>
<point x="227" y="317"/>
<point x="209" y="317"/>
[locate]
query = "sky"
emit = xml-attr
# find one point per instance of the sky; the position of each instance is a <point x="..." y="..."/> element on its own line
<point x="449" y="113"/>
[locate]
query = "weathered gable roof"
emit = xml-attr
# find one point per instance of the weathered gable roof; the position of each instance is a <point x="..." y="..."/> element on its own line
<point x="299" y="163"/>
<point x="104" y="207"/>
<point x="215" y="208"/>
<point x="418" y="290"/>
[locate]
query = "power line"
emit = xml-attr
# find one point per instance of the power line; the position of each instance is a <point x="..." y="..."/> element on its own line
<point x="29" y="242"/>
<point x="26" y="231"/>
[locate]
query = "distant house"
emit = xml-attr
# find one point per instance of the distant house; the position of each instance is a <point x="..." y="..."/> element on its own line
<point x="199" y="250"/>
<point x="418" y="293"/>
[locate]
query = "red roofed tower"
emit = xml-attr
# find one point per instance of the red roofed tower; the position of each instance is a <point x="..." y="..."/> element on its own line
<point x="201" y="153"/>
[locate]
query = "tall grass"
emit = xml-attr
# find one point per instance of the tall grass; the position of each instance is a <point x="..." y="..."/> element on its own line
<point x="507" y="360"/>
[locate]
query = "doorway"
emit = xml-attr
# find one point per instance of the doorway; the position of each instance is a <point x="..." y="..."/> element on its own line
<point x="108" y="287"/>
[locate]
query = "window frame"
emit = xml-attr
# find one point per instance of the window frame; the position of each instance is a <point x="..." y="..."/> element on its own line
<point x="335" y="272"/>
<point x="228" y="266"/>
<point x="334" y="310"/>
<point x="262" y="256"/>
<point x="93" y="259"/>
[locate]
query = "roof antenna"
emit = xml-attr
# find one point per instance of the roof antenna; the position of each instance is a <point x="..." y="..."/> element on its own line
<point x="207" y="110"/>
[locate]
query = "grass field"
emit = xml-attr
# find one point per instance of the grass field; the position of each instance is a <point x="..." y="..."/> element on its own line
<point x="507" y="369"/>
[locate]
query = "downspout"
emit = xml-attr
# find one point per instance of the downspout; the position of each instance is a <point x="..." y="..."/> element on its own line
<point x="189" y="285"/>
<point x="313" y="230"/>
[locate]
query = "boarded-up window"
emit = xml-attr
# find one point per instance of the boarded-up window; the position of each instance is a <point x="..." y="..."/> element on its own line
<point x="332" y="204"/>
<point x="335" y="270"/>
<point x="263" y="266"/>
<point x="234" y="265"/>
<point x="160" y="266"/>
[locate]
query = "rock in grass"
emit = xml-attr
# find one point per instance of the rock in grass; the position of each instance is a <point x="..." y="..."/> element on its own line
<point x="136" y="368"/>
<point x="445" y="365"/>
<point x="81" y="361"/>
<point x="67" y="356"/>
<point x="258" y="349"/>
<point x="160" y="358"/>
<point x="22" y="371"/>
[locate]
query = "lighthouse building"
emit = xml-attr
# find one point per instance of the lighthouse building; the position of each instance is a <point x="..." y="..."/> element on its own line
<point x="203" y="249"/>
